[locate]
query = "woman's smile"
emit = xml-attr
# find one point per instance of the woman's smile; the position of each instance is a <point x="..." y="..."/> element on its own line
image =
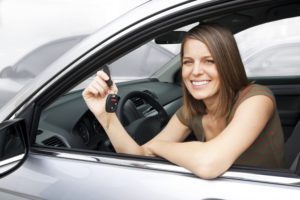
<point x="196" y="84"/>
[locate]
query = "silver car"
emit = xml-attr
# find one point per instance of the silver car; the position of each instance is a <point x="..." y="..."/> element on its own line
<point x="52" y="147"/>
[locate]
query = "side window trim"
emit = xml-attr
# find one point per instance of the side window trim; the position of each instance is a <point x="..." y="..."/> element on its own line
<point x="128" y="161"/>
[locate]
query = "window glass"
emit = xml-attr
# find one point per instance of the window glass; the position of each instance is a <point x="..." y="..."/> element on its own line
<point x="141" y="63"/>
<point x="271" y="49"/>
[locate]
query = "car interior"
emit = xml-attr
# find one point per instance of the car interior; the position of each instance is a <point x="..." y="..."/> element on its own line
<point x="147" y="104"/>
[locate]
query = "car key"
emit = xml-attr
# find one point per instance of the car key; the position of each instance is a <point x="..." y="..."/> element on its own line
<point x="112" y="100"/>
<point x="109" y="81"/>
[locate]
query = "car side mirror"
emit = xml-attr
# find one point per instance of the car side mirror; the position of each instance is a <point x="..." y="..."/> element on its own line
<point x="172" y="37"/>
<point x="12" y="145"/>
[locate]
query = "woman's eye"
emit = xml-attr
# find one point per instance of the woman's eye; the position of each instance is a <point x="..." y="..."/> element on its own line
<point x="209" y="61"/>
<point x="186" y="62"/>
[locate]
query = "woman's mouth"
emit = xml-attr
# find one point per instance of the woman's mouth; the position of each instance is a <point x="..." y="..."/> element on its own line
<point x="200" y="83"/>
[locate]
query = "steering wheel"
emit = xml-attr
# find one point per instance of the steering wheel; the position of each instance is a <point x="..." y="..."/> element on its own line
<point x="141" y="128"/>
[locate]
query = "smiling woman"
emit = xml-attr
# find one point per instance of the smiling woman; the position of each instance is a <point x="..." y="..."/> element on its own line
<point x="217" y="94"/>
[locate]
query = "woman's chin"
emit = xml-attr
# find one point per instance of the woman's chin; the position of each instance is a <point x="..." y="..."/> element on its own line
<point x="198" y="96"/>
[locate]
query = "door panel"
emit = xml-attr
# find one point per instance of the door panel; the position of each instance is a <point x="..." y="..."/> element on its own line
<point x="59" y="178"/>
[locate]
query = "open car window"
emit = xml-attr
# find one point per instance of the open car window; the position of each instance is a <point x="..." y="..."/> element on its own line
<point x="68" y="123"/>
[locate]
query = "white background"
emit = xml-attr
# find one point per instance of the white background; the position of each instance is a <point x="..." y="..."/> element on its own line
<point x="27" y="24"/>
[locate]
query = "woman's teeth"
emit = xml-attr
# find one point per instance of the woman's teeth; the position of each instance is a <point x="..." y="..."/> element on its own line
<point x="200" y="82"/>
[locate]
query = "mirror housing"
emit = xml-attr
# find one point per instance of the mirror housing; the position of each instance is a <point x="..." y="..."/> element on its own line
<point x="13" y="145"/>
<point x="172" y="37"/>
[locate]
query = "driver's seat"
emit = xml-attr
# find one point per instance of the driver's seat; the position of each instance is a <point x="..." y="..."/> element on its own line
<point x="292" y="149"/>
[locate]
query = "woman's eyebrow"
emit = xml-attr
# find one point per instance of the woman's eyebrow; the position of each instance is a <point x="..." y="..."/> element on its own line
<point x="202" y="57"/>
<point x="186" y="57"/>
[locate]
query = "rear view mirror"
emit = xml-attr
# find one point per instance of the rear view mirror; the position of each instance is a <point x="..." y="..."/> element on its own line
<point x="12" y="145"/>
<point x="173" y="37"/>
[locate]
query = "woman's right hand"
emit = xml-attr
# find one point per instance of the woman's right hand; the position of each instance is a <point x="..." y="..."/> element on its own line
<point x="96" y="92"/>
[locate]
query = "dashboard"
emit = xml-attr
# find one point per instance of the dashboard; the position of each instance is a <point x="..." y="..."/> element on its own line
<point x="68" y="123"/>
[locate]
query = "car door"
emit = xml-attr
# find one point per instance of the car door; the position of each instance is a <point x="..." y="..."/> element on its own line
<point x="73" y="173"/>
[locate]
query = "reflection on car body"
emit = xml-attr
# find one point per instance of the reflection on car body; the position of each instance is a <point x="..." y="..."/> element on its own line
<point x="68" y="154"/>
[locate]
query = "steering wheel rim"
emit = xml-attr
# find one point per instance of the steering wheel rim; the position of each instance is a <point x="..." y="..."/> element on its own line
<point x="149" y="99"/>
<point x="137" y="125"/>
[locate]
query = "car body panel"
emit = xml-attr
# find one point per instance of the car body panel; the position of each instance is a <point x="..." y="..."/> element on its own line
<point x="47" y="177"/>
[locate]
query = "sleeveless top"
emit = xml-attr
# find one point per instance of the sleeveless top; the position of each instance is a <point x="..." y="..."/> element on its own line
<point x="267" y="150"/>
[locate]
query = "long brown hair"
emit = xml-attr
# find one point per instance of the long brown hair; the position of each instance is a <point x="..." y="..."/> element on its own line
<point x="223" y="48"/>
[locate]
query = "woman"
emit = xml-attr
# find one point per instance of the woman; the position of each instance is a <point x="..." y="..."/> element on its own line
<point x="236" y="122"/>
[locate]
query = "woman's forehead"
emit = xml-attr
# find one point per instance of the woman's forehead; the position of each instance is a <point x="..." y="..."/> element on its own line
<point x="193" y="47"/>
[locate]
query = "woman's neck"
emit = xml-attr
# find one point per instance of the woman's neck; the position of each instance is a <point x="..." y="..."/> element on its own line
<point x="211" y="106"/>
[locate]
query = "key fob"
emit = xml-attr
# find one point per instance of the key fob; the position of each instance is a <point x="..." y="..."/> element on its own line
<point x="112" y="100"/>
<point x="112" y="103"/>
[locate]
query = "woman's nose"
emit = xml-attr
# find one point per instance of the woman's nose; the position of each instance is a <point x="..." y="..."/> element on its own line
<point x="197" y="68"/>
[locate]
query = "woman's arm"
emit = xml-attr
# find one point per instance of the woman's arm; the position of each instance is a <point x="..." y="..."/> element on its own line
<point x="211" y="159"/>
<point x="95" y="95"/>
<point x="174" y="131"/>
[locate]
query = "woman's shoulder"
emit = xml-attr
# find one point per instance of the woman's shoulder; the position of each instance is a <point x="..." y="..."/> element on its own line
<point x="253" y="87"/>
<point x="259" y="88"/>
<point x="254" y="90"/>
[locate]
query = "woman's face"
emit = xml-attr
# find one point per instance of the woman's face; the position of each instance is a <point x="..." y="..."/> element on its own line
<point x="199" y="71"/>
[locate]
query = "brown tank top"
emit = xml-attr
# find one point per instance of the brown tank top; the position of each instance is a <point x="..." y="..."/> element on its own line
<point x="267" y="150"/>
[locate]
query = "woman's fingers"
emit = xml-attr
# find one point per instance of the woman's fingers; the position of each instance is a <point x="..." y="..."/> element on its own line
<point x="114" y="88"/>
<point x="102" y="78"/>
<point x="101" y="83"/>
<point x="94" y="89"/>
<point x="89" y="92"/>
<point x="99" y="87"/>
<point x="101" y="74"/>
